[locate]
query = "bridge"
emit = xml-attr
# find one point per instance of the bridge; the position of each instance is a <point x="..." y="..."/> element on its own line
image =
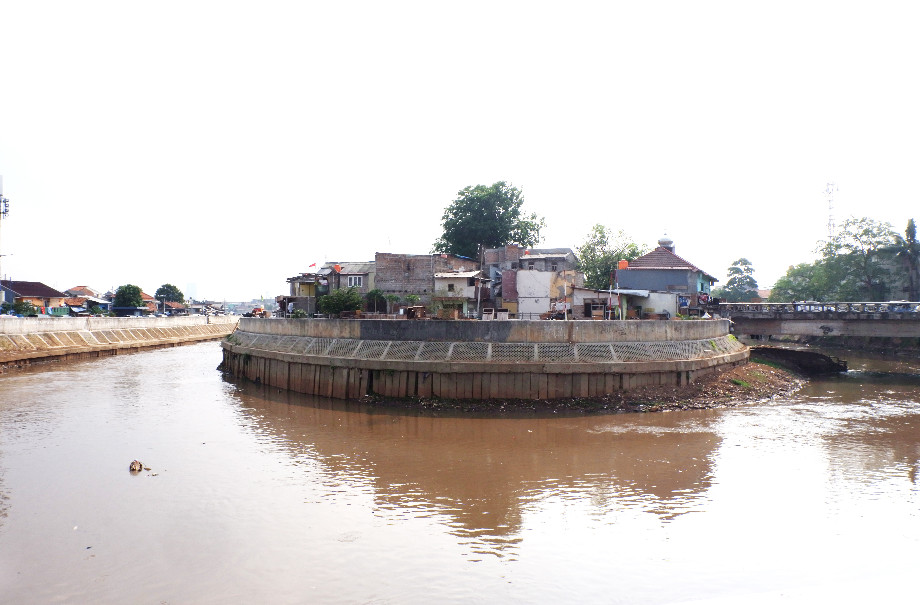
<point x="862" y="319"/>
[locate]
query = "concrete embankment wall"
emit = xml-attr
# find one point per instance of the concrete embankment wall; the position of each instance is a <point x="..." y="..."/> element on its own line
<point x="348" y="359"/>
<point x="28" y="340"/>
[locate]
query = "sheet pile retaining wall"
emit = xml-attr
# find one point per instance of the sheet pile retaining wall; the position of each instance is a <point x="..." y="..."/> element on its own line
<point x="348" y="359"/>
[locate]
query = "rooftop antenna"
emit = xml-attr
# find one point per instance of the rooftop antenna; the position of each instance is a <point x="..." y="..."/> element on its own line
<point x="829" y="191"/>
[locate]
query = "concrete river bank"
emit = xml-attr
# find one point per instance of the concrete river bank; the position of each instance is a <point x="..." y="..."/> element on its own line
<point x="27" y="340"/>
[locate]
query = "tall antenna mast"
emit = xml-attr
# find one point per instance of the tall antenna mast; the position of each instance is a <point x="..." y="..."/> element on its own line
<point x="4" y="212"/>
<point x="829" y="191"/>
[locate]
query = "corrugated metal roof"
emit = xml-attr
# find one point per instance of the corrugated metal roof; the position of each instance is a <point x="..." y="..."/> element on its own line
<point x="349" y="268"/>
<point x="466" y="274"/>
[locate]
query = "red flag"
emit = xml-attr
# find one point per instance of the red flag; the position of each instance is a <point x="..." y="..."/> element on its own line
<point x="313" y="265"/>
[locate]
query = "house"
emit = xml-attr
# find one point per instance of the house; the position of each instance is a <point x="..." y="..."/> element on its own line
<point x="686" y="287"/>
<point x="82" y="305"/>
<point x="303" y="293"/>
<point x="405" y="274"/>
<point x="306" y="288"/>
<point x="594" y="304"/>
<point x="341" y="275"/>
<point x="45" y="299"/>
<point x="459" y="293"/>
<point x="175" y="308"/>
<point x="83" y="291"/>
<point x="532" y="282"/>
<point x="92" y="297"/>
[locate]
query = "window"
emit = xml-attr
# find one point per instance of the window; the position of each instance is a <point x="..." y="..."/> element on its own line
<point x="530" y="265"/>
<point x="554" y="267"/>
<point x="355" y="281"/>
<point x="450" y="287"/>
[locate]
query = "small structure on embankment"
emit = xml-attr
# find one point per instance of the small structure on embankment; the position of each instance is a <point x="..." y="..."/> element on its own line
<point x="26" y="340"/>
<point x="349" y="359"/>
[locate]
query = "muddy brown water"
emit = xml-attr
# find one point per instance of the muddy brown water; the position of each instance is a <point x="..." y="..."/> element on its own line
<point x="256" y="495"/>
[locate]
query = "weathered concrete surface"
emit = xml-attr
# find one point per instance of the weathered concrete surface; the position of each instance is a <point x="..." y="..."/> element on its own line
<point x="896" y="325"/>
<point x="29" y="339"/>
<point x="324" y="357"/>
<point x="491" y="331"/>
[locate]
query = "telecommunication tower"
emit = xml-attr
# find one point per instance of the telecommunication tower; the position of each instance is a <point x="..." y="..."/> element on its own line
<point x="4" y="211"/>
<point x="829" y="191"/>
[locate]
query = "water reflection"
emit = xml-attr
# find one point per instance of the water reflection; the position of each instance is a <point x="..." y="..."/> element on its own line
<point x="481" y="476"/>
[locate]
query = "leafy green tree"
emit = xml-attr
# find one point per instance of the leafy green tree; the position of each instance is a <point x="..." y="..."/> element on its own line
<point x="598" y="256"/>
<point x="907" y="250"/>
<point x="128" y="295"/>
<point x="853" y="256"/>
<point x="375" y="301"/>
<point x="392" y="299"/>
<point x="801" y="282"/>
<point x="24" y="308"/>
<point x="338" y="301"/>
<point x="488" y="216"/>
<point x="741" y="285"/>
<point x="412" y="299"/>
<point x="170" y="292"/>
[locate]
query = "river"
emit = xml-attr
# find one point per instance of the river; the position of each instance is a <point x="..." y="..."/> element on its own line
<point x="256" y="495"/>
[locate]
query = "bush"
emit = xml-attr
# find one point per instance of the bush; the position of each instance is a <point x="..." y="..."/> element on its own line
<point x="340" y="300"/>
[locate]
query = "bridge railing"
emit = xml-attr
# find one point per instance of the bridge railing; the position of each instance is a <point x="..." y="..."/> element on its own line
<point x="820" y="307"/>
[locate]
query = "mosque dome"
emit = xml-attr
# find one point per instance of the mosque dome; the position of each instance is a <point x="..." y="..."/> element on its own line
<point x="666" y="242"/>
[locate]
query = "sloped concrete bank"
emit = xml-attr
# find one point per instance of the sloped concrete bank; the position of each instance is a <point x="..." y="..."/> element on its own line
<point x="351" y="359"/>
<point x="28" y="340"/>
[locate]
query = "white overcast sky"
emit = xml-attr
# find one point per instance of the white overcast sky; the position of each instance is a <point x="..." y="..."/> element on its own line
<point x="225" y="146"/>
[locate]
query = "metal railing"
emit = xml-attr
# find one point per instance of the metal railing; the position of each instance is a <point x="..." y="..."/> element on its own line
<point x="821" y="307"/>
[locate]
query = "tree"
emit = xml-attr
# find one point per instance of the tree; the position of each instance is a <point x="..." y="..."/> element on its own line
<point x="375" y="301"/>
<point x="128" y="295"/>
<point x="741" y="285"/>
<point x="907" y="250"/>
<point x="487" y="216"/>
<point x="804" y="281"/>
<point x="852" y="255"/>
<point x="392" y="299"/>
<point x="339" y="301"/>
<point x="598" y="256"/>
<point x="23" y="307"/>
<point x="170" y="292"/>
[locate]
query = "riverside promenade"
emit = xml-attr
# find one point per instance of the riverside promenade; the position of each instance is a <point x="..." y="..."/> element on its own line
<point x="28" y="340"/>
<point x="476" y="360"/>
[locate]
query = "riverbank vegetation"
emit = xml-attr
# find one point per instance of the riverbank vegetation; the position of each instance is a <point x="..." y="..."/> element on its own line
<point x="864" y="260"/>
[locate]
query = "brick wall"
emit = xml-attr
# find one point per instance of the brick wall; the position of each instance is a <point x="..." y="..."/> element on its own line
<point x="403" y="274"/>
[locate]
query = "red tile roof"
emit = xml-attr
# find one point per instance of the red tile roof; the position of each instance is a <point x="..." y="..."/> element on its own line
<point x="662" y="258"/>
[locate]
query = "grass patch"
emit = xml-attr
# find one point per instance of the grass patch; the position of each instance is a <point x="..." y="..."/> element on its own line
<point x="741" y="383"/>
<point x="769" y="362"/>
